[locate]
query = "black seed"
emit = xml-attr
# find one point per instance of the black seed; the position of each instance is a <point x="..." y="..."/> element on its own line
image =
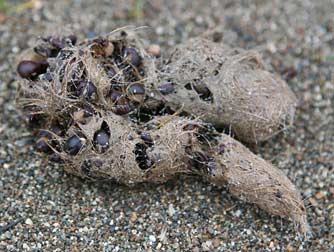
<point x="101" y="139"/>
<point x="278" y="194"/>
<point x="166" y="88"/>
<point x="86" y="167"/>
<point x="42" y="145"/>
<point x="55" y="157"/>
<point x="74" y="145"/>
<point x="141" y="156"/>
<point x="188" y="86"/>
<point x="87" y="89"/>
<point x="31" y="69"/>
<point x="204" y="93"/>
<point x="131" y="56"/>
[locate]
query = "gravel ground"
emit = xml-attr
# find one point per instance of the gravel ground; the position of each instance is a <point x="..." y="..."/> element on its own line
<point x="44" y="209"/>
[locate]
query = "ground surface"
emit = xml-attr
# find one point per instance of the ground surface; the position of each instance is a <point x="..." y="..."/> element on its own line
<point x="59" y="212"/>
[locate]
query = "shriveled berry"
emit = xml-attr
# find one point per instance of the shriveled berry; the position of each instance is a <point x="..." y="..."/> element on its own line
<point x="101" y="140"/>
<point x="122" y="106"/>
<point x="136" y="92"/>
<point x="73" y="145"/>
<point x="166" y="88"/>
<point x="86" y="89"/>
<point x="131" y="56"/>
<point x="29" y="69"/>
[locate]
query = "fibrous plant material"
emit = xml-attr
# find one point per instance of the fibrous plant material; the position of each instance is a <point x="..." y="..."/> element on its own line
<point x="107" y="111"/>
<point x="230" y="87"/>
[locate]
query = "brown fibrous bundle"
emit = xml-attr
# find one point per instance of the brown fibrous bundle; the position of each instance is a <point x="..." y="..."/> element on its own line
<point x="107" y="110"/>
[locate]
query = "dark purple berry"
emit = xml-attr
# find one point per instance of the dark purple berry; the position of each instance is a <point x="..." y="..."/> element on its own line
<point x="42" y="145"/>
<point x="122" y="106"/>
<point x="190" y="127"/>
<point x="111" y="72"/>
<point x="88" y="110"/>
<point x="136" y="92"/>
<point x="98" y="162"/>
<point x="221" y="149"/>
<point x="72" y="38"/>
<point x="101" y="140"/>
<point x="135" y="89"/>
<point x="56" y="130"/>
<point x="115" y="95"/>
<point x="56" y="158"/>
<point x="147" y="138"/>
<point x="29" y="69"/>
<point x="166" y="88"/>
<point x="86" y="89"/>
<point x="131" y="56"/>
<point x="74" y="145"/>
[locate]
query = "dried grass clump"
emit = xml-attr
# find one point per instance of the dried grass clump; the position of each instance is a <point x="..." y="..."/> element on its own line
<point x="230" y="87"/>
<point x="102" y="108"/>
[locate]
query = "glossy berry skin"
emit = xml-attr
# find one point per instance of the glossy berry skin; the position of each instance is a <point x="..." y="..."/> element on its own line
<point x="136" y="92"/>
<point x="30" y="69"/>
<point x="131" y="56"/>
<point x="74" y="145"/>
<point x="166" y="88"/>
<point x="101" y="140"/>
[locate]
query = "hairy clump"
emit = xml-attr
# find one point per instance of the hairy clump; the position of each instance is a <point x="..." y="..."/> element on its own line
<point x="230" y="87"/>
<point x="106" y="111"/>
<point x="254" y="180"/>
